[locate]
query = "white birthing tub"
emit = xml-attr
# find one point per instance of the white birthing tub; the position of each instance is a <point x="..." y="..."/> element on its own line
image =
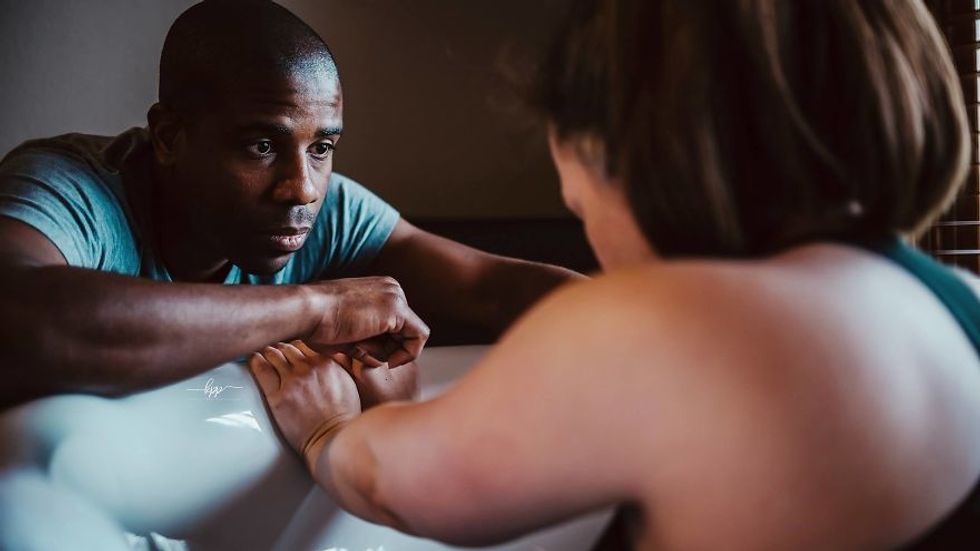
<point x="196" y="465"/>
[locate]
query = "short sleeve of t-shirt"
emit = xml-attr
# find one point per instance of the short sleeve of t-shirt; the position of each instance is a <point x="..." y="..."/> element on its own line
<point x="352" y="228"/>
<point x="68" y="201"/>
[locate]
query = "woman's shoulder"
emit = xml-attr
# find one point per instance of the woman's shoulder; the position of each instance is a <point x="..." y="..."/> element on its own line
<point x="672" y="299"/>
<point x="833" y="291"/>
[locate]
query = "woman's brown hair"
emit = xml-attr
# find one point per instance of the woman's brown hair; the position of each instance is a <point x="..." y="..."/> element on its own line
<point x="741" y="127"/>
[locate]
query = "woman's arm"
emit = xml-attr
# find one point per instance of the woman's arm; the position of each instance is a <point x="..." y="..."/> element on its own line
<point x="530" y="437"/>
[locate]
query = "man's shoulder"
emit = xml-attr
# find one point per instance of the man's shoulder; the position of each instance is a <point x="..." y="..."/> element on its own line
<point x="85" y="152"/>
<point x="83" y="167"/>
<point x="342" y="188"/>
<point x="71" y="189"/>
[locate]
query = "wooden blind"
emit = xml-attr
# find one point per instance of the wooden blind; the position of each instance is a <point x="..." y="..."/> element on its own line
<point x="955" y="238"/>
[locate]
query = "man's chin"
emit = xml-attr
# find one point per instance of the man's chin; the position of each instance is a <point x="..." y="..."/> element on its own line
<point x="264" y="266"/>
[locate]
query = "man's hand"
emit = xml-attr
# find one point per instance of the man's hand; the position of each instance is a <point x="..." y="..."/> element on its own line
<point x="369" y="319"/>
<point x="377" y="385"/>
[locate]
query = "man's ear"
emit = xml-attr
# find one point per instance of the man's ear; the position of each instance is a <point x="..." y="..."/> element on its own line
<point x="166" y="133"/>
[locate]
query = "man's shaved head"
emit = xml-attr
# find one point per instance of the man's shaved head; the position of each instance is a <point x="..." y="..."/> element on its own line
<point x="217" y="44"/>
<point x="250" y="112"/>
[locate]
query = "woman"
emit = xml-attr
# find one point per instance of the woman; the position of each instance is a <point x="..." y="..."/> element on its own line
<point x="764" y="364"/>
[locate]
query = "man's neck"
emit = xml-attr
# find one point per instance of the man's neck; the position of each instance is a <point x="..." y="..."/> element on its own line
<point x="181" y="248"/>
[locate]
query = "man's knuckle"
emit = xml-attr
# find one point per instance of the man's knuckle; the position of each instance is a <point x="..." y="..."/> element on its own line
<point x="392" y="323"/>
<point x="392" y="302"/>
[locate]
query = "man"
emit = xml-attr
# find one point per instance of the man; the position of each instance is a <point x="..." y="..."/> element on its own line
<point x="227" y="212"/>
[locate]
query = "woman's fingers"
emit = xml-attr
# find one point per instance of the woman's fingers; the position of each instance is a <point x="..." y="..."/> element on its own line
<point x="266" y="375"/>
<point x="343" y="359"/>
<point x="368" y="352"/>
<point x="305" y="349"/>
<point x="296" y="358"/>
<point x="276" y="358"/>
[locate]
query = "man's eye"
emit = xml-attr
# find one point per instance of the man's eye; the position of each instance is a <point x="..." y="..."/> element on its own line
<point x="261" y="148"/>
<point x="323" y="149"/>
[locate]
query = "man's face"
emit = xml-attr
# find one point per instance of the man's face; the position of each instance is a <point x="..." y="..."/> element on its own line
<point x="252" y="173"/>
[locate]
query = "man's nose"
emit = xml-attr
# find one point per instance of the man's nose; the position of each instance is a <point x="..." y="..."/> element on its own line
<point x="293" y="183"/>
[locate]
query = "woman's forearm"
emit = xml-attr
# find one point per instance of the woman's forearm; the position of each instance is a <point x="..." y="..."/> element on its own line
<point x="347" y="467"/>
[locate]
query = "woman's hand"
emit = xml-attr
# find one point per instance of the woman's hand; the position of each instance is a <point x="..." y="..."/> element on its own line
<point x="377" y="385"/>
<point x="310" y="395"/>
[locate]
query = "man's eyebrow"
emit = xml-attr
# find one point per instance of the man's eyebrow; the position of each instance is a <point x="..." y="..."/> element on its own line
<point x="274" y="129"/>
<point x="329" y="131"/>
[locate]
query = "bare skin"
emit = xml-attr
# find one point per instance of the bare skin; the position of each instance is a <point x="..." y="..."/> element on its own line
<point x="449" y="283"/>
<point x="819" y="399"/>
<point x="346" y="380"/>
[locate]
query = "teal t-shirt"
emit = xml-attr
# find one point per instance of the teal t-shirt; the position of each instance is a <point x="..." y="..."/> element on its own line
<point x="90" y="196"/>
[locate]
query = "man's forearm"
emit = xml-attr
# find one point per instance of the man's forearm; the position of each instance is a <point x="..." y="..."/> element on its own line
<point x="67" y="329"/>
<point x="510" y="286"/>
<point x="480" y="301"/>
<point x="460" y="290"/>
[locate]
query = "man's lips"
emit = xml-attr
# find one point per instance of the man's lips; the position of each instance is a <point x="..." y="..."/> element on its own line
<point x="286" y="239"/>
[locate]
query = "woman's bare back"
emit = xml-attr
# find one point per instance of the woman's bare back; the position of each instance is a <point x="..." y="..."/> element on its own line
<point x="825" y="399"/>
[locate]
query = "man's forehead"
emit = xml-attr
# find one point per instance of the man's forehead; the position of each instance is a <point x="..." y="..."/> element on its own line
<point x="272" y="102"/>
<point x="302" y="85"/>
<point x="278" y="103"/>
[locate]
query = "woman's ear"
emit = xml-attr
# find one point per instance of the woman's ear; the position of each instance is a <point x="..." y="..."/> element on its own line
<point x="166" y="133"/>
